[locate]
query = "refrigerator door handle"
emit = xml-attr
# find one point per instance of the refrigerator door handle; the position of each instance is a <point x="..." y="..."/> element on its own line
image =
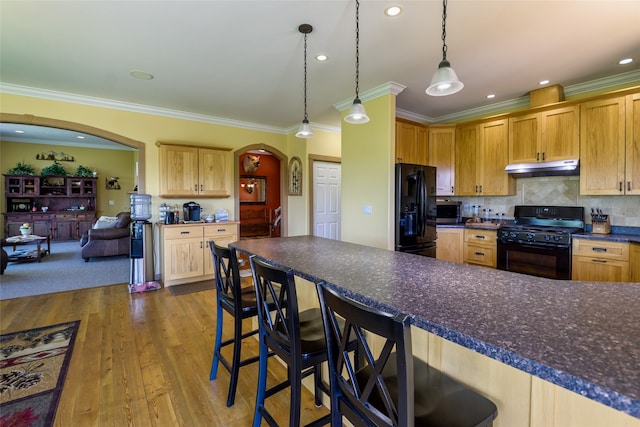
<point x="422" y="200"/>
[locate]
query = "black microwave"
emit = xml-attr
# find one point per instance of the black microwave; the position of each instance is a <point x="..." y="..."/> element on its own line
<point x="449" y="212"/>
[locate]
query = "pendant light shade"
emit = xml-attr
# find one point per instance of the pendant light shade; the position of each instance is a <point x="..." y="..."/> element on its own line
<point x="357" y="114"/>
<point x="444" y="81"/>
<point x="304" y="131"/>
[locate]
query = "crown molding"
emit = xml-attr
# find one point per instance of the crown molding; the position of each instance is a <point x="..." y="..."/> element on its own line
<point x="392" y="88"/>
<point x="136" y="108"/>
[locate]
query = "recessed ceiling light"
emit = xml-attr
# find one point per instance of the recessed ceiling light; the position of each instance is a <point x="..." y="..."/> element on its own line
<point x="543" y="82"/>
<point x="393" y="10"/>
<point x="142" y="75"/>
<point x="19" y="131"/>
<point x="491" y="95"/>
<point x="322" y="58"/>
<point x="80" y="137"/>
<point x="625" y="61"/>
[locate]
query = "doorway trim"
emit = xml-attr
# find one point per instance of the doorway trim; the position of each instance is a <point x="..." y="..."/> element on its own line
<point x="316" y="158"/>
<point x="284" y="162"/>
<point x="28" y="119"/>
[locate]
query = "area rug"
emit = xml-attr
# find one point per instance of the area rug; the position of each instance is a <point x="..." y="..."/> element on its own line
<point x="190" y="288"/>
<point x="33" y="366"/>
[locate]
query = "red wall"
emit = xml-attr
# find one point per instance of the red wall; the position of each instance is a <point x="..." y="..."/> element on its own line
<point x="269" y="168"/>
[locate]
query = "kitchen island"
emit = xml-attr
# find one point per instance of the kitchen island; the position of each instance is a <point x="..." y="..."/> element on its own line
<point x="547" y="336"/>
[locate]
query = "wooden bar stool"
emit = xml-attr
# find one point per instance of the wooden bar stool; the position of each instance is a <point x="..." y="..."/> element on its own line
<point x="392" y="388"/>
<point x="296" y="337"/>
<point x="241" y="304"/>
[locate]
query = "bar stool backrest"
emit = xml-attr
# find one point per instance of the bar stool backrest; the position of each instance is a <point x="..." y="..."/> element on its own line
<point x="362" y="395"/>
<point x="227" y="276"/>
<point x="278" y="313"/>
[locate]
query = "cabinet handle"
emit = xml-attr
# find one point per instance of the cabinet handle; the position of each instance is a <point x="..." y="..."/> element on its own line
<point x="628" y="185"/>
<point x="480" y="253"/>
<point x="185" y="232"/>
<point x="481" y="188"/>
<point x="476" y="188"/>
<point x="620" y="186"/>
<point x="600" y="260"/>
<point x="220" y="230"/>
<point x="537" y="157"/>
<point x="452" y="189"/>
<point x="201" y="187"/>
<point x="200" y="244"/>
<point x="195" y="188"/>
<point x="543" y="156"/>
<point x="479" y="236"/>
<point x="599" y="249"/>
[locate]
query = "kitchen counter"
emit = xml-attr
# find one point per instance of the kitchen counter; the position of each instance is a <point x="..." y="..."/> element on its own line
<point x="564" y="332"/>
<point x="612" y="237"/>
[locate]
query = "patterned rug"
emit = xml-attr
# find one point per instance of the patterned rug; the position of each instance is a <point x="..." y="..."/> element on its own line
<point x="33" y="366"/>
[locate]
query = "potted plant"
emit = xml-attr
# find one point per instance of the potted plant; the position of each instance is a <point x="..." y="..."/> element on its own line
<point x="22" y="169"/>
<point x="54" y="169"/>
<point x="83" y="172"/>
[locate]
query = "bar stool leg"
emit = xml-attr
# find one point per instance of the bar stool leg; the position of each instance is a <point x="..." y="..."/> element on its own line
<point x="235" y="365"/>
<point x="262" y="383"/>
<point x="217" y="345"/>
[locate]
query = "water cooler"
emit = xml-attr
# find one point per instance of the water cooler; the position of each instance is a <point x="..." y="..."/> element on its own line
<point x="141" y="245"/>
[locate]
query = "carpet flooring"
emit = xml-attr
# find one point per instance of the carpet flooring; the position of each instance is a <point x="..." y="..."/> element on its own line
<point x="62" y="270"/>
<point x="33" y="366"/>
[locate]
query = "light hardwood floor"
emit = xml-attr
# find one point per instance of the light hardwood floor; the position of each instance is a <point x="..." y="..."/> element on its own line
<point x="144" y="359"/>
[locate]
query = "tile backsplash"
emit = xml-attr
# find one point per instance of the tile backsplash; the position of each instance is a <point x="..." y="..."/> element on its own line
<point x="559" y="191"/>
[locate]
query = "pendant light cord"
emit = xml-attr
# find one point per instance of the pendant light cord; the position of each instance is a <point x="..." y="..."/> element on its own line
<point x="305" y="77"/>
<point x="444" y="30"/>
<point x="357" y="47"/>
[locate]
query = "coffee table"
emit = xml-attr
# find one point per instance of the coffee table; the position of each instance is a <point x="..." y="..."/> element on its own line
<point x="15" y="241"/>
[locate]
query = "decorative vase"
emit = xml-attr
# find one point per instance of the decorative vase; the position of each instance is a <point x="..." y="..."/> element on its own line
<point x="25" y="231"/>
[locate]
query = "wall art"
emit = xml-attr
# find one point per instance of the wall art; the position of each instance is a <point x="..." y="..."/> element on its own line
<point x="295" y="177"/>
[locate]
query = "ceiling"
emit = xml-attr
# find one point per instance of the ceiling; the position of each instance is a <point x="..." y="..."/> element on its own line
<point x="242" y="61"/>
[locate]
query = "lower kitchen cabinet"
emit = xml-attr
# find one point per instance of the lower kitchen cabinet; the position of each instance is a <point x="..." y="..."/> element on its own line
<point x="185" y="253"/>
<point x="449" y="244"/>
<point x="600" y="261"/>
<point x="480" y="247"/>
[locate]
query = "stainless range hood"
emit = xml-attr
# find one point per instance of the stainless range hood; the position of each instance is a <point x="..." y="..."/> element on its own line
<point x="555" y="168"/>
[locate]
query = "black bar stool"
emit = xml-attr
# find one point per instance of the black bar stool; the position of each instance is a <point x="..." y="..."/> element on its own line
<point x="296" y="337"/>
<point x="241" y="304"/>
<point x="392" y="388"/>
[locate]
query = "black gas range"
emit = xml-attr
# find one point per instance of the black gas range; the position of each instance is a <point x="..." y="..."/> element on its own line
<point x="539" y="241"/>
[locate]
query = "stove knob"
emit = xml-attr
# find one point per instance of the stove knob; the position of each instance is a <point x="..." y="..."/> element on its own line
<point x="558" y="238"/>
<point x="513" y="235"/>
<point x="547" y="237"/>
<point x="530" y="236"/>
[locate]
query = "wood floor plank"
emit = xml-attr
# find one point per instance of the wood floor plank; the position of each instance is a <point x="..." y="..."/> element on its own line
<point x="144" y="359"/>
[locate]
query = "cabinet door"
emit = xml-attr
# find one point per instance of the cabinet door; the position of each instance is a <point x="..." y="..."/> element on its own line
<point x="602" y="146"/>
<point x="560" y="134"/>
<point x="494" y="157"/>
<point x="449" y="244"/>
<point x="183" y="258"/>
<point x="442" y="156"/>
<point x="214" y="173"/>
<point x="422" y="146"/>
<point x="64" y="230"/>
<point x="525" y="136"/>
<point x="42" y="227"/>
<point x="178" y="171"/>
<point x="632" y="164"/>
<point x="599" y="269"/>
<point x="466" y="158"/>
<point x="406" y="147"/>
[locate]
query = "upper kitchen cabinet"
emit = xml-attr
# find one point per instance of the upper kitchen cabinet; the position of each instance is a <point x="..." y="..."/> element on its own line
<point x="602" y="146"/>
<point x="412" y="144"/>
<point x="544" y="136"/>
<point x="194" y="171"/>
<point x="481" y="155"/>
<point x="442" y="141"/>
<point x="632" y="150"/>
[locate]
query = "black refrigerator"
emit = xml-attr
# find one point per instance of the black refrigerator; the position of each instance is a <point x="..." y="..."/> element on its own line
<point x="416" y="209"/>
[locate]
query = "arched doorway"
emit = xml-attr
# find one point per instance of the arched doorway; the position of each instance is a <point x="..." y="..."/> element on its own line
<point x="257" y="215"/>
<point x="27" y="119"/>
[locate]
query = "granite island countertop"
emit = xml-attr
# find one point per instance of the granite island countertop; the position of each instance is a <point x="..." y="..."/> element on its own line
<point x="583" y="336"/>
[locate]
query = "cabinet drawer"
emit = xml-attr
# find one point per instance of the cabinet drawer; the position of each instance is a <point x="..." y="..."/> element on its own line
<point x="480" y="236"/>
<point x="599" y="269"/>
<point x="601" y="249"/>
<point x="179" y="232"/>
<point x="480" y="254"/>
<point x="220" y="229"/>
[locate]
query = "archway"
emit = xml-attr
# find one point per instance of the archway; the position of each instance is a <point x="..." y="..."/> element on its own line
<point x="28" y="119"/>
<point x="283" y="163"/>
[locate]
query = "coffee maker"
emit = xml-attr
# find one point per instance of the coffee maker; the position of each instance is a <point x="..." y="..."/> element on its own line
<point x="191" y="212"/>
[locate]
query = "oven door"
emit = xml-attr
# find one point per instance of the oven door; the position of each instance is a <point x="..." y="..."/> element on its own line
<point x="542" y="261"/>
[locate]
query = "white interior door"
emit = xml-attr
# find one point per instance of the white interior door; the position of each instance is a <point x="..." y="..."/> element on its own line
<point x="326" y="199"/>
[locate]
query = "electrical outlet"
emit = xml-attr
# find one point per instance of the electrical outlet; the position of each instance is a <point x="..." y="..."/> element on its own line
<point x="112" y="202"/>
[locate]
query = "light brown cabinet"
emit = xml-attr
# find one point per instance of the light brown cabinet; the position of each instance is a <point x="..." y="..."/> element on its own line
<point x="545" y="136"/>
<point x="632" y="149"/>
<point x="480" y="247"/>
<point x="187" y="171"/>
<point x="600" y="261"/>
<point x="449" y="244"/>
<point x="412" y="145"/>
<point x="481" y="155"/>
<point x="442" y="141"/>
<point x="185" y="253"/>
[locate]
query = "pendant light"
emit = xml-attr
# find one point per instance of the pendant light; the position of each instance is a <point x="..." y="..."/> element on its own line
<point x="304" y="131"/>
<point x="445" y="81"/>
<point x="357" y="115"/>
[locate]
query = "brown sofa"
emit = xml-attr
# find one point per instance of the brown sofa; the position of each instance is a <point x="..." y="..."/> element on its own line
<point x="99" y="242"/>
